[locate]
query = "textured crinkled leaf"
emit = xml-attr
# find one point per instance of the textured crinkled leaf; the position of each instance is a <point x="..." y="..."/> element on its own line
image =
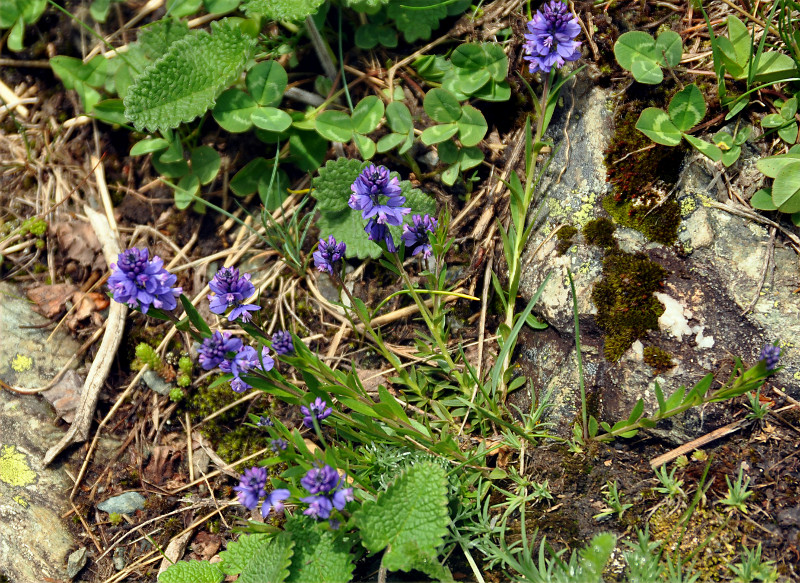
<point x="348" y="226"/>
<point x="291" y="10"/>
<point x="320" y="555"/>
<point x="409" y="519"/>
<point x="418" y="18"/>
<point x="191" y="572"/>
<point x="156" y="38"/>
<point x="331" y="187"/>
<point x="258" y="558"/>
<point x="187" y="80"/>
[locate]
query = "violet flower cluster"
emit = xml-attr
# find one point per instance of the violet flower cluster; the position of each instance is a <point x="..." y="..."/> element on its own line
<point x="327" y="492"/>
<point x="230" y="291"/>
<point x="231" y="356"/>
<point x="317" y="409"/>
<point x="378" y="197"/>
<point x="328" y="253"/>
<point x="253" y="487"/>
<point x="416" y="236"/>
<point x="770" y="354"/>
<point x="141" y="282"/>
<point x="282" y="343"/>
<point x="552" y="39"/>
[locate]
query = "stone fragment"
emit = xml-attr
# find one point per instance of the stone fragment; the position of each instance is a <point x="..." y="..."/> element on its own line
<point x="126" y="503"/>
<point x="76" y="562"/>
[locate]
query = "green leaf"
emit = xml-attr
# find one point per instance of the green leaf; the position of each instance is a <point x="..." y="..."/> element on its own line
<point x="740" y="40"/>
<point x="470" y="56"/>
<point x="762" y="200"/>
<point x="186" y="190"/>
<point x="273" y="191"/>
<point x="365" y="145"/>
<point x="635" y="51"/>
<point x="181" y="8"/>
<point x="266" y="82"/>
<point x="221" y="6"/>
<point x="418" y="18"/>
<point x="789" y="109"/>
<point x="320" y="555"/>
<point x="409" y="519"/>
<point x="471" y="126"/>
<point x="258" y="558"/>
<point x="438" y="133"/>
<point x="497" y="61"/>
<point x="399" y="118"/>
<point x="441" y="106"/>
<point x="786" y="188"/>
<point x="334" y="125"/>
<point x="82" y="77"/>
<point x="670" y="45"/>
<point x="469" y="158"/>
<point x="205" y="163"/>
<point x="191" y="572"/>
<point x="656" y="125"/>
<point x="730" y="156"/>
<point x="494" y="91"/>
<point x="687" y="108"/>
<point x="464" y="82"/>
<point x="788" y="133"/>
<point x="99" y="9"/>
<point x="774" y="67"/>
<point x="331" y="187"/>
<point x="450" y="175"/>
<point x="194" y="317"/>
<point x="156" y="38"/>
<point x="706" y="148"/>
<point x="308" y="150"/>
<point x="247" y="179"/>
<point x="149" y="145"/>
<point x="271" y="119"/>
<point x="367" y="114"/>
<point x="187" y="80"/>
<point x="391" y="141"/>
<point x="291" y="10"/>
<point x="772" y="165"/>
<point x="111" y="111"/>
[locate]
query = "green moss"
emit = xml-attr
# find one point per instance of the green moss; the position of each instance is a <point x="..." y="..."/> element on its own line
<point x="659" y="359"/>
<point x="600" y="232"/>
<point x="658" y="223"/>
<point x="626" y="307"/>
<point x="565" y="235"/>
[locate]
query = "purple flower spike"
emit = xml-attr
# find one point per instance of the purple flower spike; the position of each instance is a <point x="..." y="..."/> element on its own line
<point x="213" y="350"/>
<point x="415" y="237"/>
<point x="552" y="39"/>
<point x="282" y="343"/>
<point x="265" y="422"/>
<point x="278" y="445"/>
<point x="275" y="501"/>
<point x="252" y="487"/>
<point x="230" y="291"/>
<point x="375" y="194"/>
<point x="322" y="480"/>
<point x="319" y="507"/>
<point x="770" y="354"/>
<point x="328" y="253"/>
<point x="379" y="232"/>
<point x="341" y="497"/>
<point x="317" y="409"/>
<point x="141" y="282"/>
<point x="244" y="361"/>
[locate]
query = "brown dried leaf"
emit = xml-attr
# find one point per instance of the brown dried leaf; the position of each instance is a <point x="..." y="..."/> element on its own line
<point x="51" y="300"/>
<point x="65" y="395"/>
<point x="79" y="243"/>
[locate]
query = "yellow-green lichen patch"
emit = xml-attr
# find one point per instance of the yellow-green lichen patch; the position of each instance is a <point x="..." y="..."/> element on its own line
<point x="688" y="206"/>
<point x="14" y="468"/>
<point x="21" y="501"/>
<point x="22" y="363"/>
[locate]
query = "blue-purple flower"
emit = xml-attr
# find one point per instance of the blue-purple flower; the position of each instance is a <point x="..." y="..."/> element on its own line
<point x="380" y="232"/>
<point x="321" y="480"/>
<point x="552" y="39"/>
<point x="378" y="195"/>
<point x="141" y="282"/>
<point x="252" y="487"/>
<point x="325" y="486"/>
<point x="245" y="360"/>
<point x="275" y="501"/>
<point x="278" y="445"/>
<point x="319" y="507"/>
<point x="230" y="291"/>
<point x="328" y="253"/>
<point x="770" y="354"/>
<point x="317" y="409"/>
<point x="213" y="350"/>
<point x="282" y="343"/>
<point x="415" y="237"/>
<point x="265" y="422"/>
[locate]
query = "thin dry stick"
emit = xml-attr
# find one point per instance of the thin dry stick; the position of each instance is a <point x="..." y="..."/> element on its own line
<point x="764" y="271"/>
<point x="659" y="461"/>
<point x="216" y="473"/>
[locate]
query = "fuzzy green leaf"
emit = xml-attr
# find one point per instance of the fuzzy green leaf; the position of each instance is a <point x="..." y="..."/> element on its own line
<point x="409" y="519"/>
<point x="320" y="555"/>
<point x="331" y="187"/>
<point x="258" y="558"/>
<point x="187" y="80"/>
<point x="191" y="572"/>
<point x="291" y="10"/>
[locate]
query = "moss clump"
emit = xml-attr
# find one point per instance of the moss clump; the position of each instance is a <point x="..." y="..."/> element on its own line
<point x="565" y="235"/>
<point x="659" y="359"/>
<point x="600" y="232"/>
<point x="657" y="223"/>
<point x="626" y="307"/>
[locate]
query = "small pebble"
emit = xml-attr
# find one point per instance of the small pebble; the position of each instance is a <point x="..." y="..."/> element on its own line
<point x="126" y="503"/>
<point x="119" y="558"/>
<point x="76" y="562"/>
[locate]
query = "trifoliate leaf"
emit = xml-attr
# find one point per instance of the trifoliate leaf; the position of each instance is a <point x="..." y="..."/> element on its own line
<point x="187" y="80"/>
<point x="409" y="519"/>
<point x="258" y="558"/>
<point x="191" y="572"/>
<point x="331" y="187"/>
<point x="291" y="10"/>
<point x="320" y="555"/>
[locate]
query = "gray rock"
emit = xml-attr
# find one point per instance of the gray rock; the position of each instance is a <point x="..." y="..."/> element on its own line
<point x="156" y="383"/>
<point x="34" y="543"/>
<point x="76" y="562"/>
<point x="118" y="558"/>
<point x="126" y="503"/>
<point x="714" y="274"/>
